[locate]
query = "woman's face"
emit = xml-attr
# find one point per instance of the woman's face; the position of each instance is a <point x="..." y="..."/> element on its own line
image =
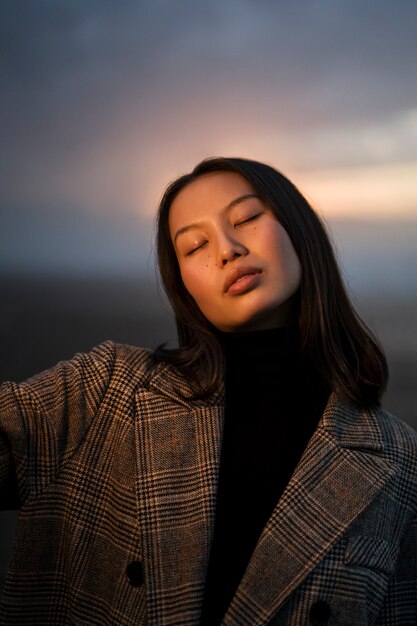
<point x="235" y="258"/>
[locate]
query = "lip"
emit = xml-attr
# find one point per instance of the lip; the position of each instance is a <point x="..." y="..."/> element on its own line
<point x="238" y="273"/>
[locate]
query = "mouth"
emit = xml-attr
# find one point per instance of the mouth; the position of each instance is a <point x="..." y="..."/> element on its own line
<point x="241" y="279"/>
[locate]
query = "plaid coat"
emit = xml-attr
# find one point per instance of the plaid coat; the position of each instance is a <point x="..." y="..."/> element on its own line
<point x="116" y="472"/>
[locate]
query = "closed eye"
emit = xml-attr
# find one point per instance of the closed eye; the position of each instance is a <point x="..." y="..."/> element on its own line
<point x="249" y="219"/>
<point x="201" y="245"/>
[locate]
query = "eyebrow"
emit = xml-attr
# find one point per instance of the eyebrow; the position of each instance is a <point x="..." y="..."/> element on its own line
<point x="229" y="206"/>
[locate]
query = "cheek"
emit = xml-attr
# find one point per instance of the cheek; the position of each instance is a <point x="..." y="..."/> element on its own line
<point x="197" y="282"/>
<point x="286" y="258"/>
<point x="291" y="263"/>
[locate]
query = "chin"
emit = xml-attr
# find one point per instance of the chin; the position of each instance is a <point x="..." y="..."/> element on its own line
<point x="247" y="325"/>
<point x="276" y="317"/>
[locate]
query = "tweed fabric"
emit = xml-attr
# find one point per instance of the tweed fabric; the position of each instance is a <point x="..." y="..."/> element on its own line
<point x="114" y="463"/>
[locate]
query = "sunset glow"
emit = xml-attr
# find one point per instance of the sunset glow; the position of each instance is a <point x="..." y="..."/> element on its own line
<point x="384" y="191"/>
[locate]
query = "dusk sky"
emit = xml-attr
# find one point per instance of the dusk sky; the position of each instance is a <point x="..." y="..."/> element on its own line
<point x="103" y="102"/>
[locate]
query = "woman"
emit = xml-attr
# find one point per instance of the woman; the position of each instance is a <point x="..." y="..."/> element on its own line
<point x="248" y="477"/>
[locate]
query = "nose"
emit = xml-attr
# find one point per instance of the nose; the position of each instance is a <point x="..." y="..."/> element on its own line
<point x="230" y="249"/>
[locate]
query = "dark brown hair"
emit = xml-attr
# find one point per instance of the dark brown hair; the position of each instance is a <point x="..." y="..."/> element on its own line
<point x="331" y="333"/>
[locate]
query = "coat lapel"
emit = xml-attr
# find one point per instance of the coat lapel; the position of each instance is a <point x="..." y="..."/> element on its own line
<point x="338" y="476"/>
<point x="178" y="453"/>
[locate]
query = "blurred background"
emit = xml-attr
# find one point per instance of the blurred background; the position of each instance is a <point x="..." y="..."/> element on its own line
<point x="103" y="102"/>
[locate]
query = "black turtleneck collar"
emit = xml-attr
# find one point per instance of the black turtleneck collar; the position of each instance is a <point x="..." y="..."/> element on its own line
<point x="260" y="353"/>
<point x="259" y="342"/>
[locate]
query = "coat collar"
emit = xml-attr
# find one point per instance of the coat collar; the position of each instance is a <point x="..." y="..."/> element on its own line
<point x="178" y="443"/>
<point x="170" y="383"/>
<point x="340" y="473"/>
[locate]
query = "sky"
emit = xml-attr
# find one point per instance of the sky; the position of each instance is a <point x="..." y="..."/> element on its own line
<point x="103" y="102"/>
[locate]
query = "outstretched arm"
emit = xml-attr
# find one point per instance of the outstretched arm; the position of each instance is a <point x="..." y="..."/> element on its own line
<point x="43" y="421"/>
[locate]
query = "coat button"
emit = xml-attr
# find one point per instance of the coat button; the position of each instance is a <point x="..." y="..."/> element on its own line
<point x="134" y="573"/>
<point x="320" y="613"/>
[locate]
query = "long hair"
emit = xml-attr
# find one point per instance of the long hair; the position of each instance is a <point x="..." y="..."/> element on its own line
<point x="331" y="333"/>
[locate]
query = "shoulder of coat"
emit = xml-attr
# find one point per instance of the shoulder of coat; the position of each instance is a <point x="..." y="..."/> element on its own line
<point x="396" y="429"/>
<point x="136" y="363"/>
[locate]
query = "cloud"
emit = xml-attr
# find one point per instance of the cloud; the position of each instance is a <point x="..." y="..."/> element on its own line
<point x="103" y="102"/>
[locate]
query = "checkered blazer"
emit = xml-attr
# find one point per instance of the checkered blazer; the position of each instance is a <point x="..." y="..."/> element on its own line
<point x="116" y="471"/>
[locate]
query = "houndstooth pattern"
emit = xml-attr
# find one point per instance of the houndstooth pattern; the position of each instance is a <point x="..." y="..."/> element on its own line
<point x="115" y="463"/>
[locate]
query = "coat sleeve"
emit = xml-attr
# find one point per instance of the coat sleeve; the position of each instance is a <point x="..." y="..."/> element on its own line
<point x="44" y="420"/>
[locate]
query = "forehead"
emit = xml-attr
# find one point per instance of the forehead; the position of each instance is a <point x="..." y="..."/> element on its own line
<point x="208" y="194"/>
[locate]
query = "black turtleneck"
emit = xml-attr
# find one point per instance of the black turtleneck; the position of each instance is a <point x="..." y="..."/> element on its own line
<point x="274" y="400"/>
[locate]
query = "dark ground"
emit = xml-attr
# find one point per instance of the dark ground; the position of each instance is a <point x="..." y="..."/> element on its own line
<point x="46" y="320"/>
